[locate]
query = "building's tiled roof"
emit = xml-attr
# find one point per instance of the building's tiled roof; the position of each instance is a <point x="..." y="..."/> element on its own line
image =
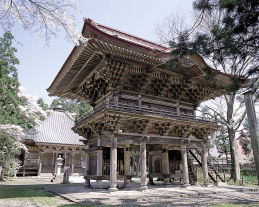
<point x="55" y="129"/>
<point x="119" y="35"/>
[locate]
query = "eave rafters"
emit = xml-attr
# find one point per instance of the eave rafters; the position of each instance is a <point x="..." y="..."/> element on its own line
<point x="124" y="68"/>
<point x="127" y="53"/>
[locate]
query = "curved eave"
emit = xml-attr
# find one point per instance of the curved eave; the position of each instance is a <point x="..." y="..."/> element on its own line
<point x="62" y="68"/>
<point x="61" y="144"/>
<point x="75" y="60"/>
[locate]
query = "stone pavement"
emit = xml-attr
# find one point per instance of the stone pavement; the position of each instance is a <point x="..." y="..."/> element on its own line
<point x="159" y="195"/>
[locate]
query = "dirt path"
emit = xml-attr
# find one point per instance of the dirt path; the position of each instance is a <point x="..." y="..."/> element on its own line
<point x="161" y="195"/>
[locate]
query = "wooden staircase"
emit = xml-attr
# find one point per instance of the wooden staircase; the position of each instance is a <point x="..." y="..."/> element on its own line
<point x="27" y="171"/>
<point x="216" y="171"/>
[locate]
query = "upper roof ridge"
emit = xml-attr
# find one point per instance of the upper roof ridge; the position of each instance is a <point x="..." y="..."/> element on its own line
<point x="128" y="37"/>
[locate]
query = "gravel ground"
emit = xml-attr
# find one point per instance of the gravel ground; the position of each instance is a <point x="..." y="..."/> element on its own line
<point x="160" y="195"/>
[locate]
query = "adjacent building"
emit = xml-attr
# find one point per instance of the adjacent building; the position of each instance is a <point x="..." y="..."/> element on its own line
<point x="50" y="139"/>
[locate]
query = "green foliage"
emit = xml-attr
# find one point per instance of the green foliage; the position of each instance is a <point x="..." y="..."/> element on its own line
<point x="9" y="100"/>
<point x="10" y="112"/>
<point x="226" y="2"/>
<point x="81" y="108"/>
<point x="209" y="74"/>
<point x="181" y="45"/>
<point x="8" y="151"/>
<point x="237" y="33"/>
<point x="234" y="85"/>
<point x="42" y="104"/>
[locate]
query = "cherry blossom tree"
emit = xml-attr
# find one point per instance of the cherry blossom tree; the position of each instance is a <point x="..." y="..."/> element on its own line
<point x="42" y="17"/>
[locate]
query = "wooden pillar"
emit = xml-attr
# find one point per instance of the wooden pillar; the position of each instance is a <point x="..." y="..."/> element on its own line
<point x="253" y="129"/>
<point x="204" y="157"/>
<point x="53" y="159"/>
<point x="143" y="163"/>
<point x="165" y="165"/>
<point x="151" y="181"/>
<point x="127" y="165"/>
<point x="185" y="166"/>
<point x="87" y="169"/>
<point x="40" y="163"/>
<point x="65" y="157"/>
<point x="55" y="168"/>
<point x="113" y="164"/>
<point x="99" y="163"/>
<point x="72" y="163"/>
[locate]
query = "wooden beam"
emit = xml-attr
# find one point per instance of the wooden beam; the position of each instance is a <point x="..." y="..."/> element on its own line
<point x="80" y="70"/>
<point x="158" y="136"/>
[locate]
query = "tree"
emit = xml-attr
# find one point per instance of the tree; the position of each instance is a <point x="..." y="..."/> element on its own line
<point x="237" y="30"/>
<point x="239" y="22"/>
<point x="43" y="17"/>
<point x="12" y="119"/>
<point x="33" y="113"/>
<point x="245" y="142"/>
<point x="42" y="104"/>
<point x="9" y="149"/>
<point x="80" y="109"/>
<point x="10" y="112"/>
<point x="171" y="28"/>
<point x="229" y="45"/>
<point x="222" y="141"/>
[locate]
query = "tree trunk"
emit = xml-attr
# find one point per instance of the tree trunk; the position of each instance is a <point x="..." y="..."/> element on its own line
<point x="235" y="168"/>
<point x="1" y="178"/>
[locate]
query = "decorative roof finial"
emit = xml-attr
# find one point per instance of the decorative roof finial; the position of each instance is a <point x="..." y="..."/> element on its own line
<point x="59" y="107"/>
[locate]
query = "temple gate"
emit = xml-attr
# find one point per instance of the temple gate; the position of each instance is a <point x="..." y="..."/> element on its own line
<point x="138" y="104"/>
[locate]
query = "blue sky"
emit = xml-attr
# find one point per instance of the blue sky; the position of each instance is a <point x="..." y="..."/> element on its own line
<point x="39" y="63"/>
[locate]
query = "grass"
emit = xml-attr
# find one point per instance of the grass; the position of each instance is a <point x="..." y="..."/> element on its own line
<point x="30" y="193"/>
<point x="34" y="195"/>
<point x="249" y="180"/>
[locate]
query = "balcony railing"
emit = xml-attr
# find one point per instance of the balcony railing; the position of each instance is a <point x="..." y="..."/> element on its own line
<point x="122" y="107"/>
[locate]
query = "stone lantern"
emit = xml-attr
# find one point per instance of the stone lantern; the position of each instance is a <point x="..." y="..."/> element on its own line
<point x="59" y="165"/>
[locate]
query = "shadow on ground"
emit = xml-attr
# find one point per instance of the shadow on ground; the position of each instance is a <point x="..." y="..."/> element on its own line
<point x="157" y="195"/>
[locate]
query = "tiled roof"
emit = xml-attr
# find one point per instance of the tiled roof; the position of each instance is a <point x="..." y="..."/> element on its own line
<point x="55" y="129"/>
<point x="127" y="37"/>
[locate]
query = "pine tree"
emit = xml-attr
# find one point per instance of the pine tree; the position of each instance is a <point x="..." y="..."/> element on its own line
<point x="10" y="112"/>
<point x="230" y="45"/>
